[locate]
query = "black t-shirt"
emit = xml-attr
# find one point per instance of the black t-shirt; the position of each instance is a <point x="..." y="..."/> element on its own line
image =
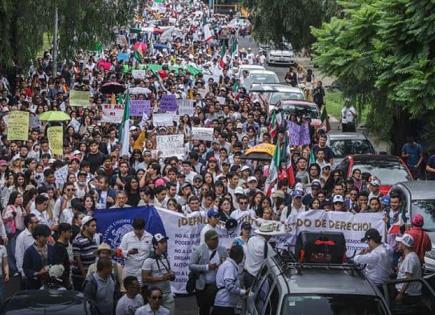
<point x="95" y="160"/>
<point x="328" y="152"/>
<point x="61" y="257"/>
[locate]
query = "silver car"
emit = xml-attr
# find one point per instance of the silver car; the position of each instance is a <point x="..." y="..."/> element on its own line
<point x="281" y="54"/>
<point x="260" y="77"/>
<point x="419" y="197"/>
<point x="276" y="92"/>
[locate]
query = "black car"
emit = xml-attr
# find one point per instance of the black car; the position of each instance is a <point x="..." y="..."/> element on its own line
<point x="38" y="302"/>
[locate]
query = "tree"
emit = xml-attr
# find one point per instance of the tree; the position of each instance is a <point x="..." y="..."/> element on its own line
<point x="275" y="20"/>
<point x="382" y="53"/>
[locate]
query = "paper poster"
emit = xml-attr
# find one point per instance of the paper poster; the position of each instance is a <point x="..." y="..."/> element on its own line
<point x="202" y="92"/>
<point x="18" y="125"/>
<point x="61" y="176"/>
<point x="79" y="98"/>
<point x="34" y="121"/>
<point x="112" y="113"/>
<point x="138" y="74"/>
<point x="55" y="139"/>
<point x="205" y="134"/>
<point x="168" y="103"/>
<point x="221" y="100"/>
<point x="138" y="107"/>
<point x="163" y="119"/>
<point x="185" y="107"/>
<point x="171" y="145"/>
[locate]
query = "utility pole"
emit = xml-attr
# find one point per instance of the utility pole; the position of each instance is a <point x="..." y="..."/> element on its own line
<point x="55" y="36"/>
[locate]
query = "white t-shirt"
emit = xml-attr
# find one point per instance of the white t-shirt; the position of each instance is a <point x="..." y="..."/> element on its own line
<point x="127" y="306"/>
<point x="410" y="264"/>
<point x="146" y="310"/>
<point x="348" y="115"/>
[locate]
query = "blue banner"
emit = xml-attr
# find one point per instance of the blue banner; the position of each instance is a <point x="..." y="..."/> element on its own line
<point x="112" y="224"/>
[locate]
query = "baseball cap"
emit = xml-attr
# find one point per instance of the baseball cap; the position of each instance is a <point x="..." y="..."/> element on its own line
<point x="371" y="234"/>
<point x="3" y="163"/>
<point x="239" y="191"/>
<point x="278" y="194"/>
<point x="211" y="235"/>
<point x="245" y="168"/>
<point x="77" y="152"/>
<point x="406" y="240"/>
<point x="338" y="198"/>
<point x="132" y="128"/>
<point x="375" y="182"/>
<point x="297" y="193"/>
<point x="418" y="220"/>
<point x="252" y="179"/>
<point x="157" y="238"/>
<point x="239" y="126"/>
<point x="86" y="219"/>
<point x="316" y="184"/>
<point x="212" y="213"/>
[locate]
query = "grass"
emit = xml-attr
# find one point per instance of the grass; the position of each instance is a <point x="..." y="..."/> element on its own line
<point x="334" y="103"/>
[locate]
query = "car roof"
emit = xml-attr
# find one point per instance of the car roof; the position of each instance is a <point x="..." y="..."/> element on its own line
<point x="337" y="135"/>
<point x="259" y="71"/>
<point x="297" y="102"/>
<point x="274" y="87"/>
<point x="420" y="189"/>
<point x="252" y="67"/>
<point x="367" y="158"/>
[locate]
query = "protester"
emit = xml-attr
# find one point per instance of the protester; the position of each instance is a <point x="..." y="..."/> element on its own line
<point x="205" y="262"/>
<point x="63" y="253"/>
<point x="25" y="240"/>
<point x="4" y="271"/>
<point x="132" y="299"/>
<point x="213" y="220"/>
<point x="422" y="242"/>
<point x="154" y="307"/>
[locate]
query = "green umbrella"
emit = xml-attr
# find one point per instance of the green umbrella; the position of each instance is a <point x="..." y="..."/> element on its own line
<point x="54" y="116"/>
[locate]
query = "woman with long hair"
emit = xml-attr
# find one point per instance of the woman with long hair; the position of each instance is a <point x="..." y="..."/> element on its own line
<point x="89" y="204"/>
<point x="19" y="183"/>
<point x="225" y="208"/>
<point x="256" y="204"/>
<point x="132" y="190"/>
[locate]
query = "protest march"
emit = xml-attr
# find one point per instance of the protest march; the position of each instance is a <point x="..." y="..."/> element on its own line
<point x="148" y="170"/>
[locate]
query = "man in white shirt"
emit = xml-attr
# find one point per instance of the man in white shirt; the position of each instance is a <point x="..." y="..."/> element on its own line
<point x="136" y="246"/>
<point x="258" y="250"/>
<point x="25" y="240"/>
<point x="378" y="258"/>
<point x="41" y="203"/>
<point x="348" y="117"/>
<point x="153" y="307"/>
<point x="213" y="220"/>
<point x="243" y="210"/>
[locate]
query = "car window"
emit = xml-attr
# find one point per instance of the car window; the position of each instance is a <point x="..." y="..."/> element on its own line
<point x="341" y="148"/>
<point x="343" y="166"/>
<point x="278" y="96"/>
<point x="425" y="207"/>
<point x="259" y="279"/>
<point x="311" y="112"/>
<point x="389" y="172"/>
<point x="273" y="302"/>
<point x="261" y="297"/>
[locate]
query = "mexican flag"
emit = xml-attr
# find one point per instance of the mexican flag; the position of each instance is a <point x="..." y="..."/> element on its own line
<point x="124" y="128"/>
<point x="208" y="35"/>
<point x="222" y="62"/>
<point x="273" y="170"/>
<point x="234" y="49"/>
<point x="275" y="124"/>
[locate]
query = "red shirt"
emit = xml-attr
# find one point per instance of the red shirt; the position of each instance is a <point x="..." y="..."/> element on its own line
<point x="422" y="242"/>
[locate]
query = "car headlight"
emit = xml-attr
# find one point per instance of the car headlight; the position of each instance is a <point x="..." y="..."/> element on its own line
<point x="431" y="254"/>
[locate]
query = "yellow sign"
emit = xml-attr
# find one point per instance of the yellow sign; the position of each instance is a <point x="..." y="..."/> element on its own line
<point x="79" y="98"/>
<point x="18" y="125"/>
<point x="55" y="139"/>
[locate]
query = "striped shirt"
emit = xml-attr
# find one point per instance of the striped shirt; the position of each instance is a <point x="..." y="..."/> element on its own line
<point x="84" y="248"/>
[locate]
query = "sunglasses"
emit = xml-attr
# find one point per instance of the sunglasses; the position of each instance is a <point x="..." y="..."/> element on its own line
<point x="70" y="189"/>
<point x="243" y="203"/>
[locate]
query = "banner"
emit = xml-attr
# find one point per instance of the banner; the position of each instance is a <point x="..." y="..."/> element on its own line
<point x="171" y="145"/>
<point x="165" y="120"/>
<point x="185" y="107"/>
<point x="79" y="98"/>
<point x="183" y="231"/>
<point x="138" y="107"/>
<point x="112" y="113"/>
<point x="221" y="100"/>
<point x="199" y="133"/>
<point x="168" y="103"/>
<point x="55" y="139"/>
<point x="123" y="56"/>
<point x="138" y="74"/>
<point x="18" y="125"/>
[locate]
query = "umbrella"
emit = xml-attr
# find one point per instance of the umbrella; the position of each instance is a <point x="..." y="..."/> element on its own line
<point x="260" y="152"/>
<point x="54" y="116"/>
<point x="112" y="87"/>
<point x="256" y="156"/>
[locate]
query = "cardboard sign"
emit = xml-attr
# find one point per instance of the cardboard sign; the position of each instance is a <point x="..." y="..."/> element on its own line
<point x="112" y="113"/>
<point x="18" y="125"/>
<point x="163" y="119"/>
<point x="168" y="103"/>
<point x="79" y="98"/>
<point x="171" y="145"/>
<point x="138" y="74"/>
<point x="205" y="134"/>
<point x="185" y="107"/>
<point x="55" y="139"/>
<point x="138" y="107"/>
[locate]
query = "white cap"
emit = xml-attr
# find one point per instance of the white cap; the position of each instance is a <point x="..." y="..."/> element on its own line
<point x="86" y="219"/>
<point x="338" y="198"/>
<point x="375" y="182"/>
<point x="245" y="168"/>
<point x="252" y="179"/>
<point x="406" y="240"/>
<point x="239" y="191"/>
<point x="77" y="152"/>
<point x="132" y="128"/>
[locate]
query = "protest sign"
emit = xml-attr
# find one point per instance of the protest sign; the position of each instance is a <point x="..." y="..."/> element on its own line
<point x="202" y="92"/>
<point x="165" y="120"/>
<point x="221" y="100"/>
<point x="61" y="176"/>
<point x="34" y="121"/>
<point x="55" y="139"/>
<point x="171" y="145"/>
<point x="138" y="74"/>
<point x="112" y="113"/>
<point x="123" y="56"/>
<point x="168" y="103"/>
<point x="18" y="125"/>
<point x="185" y="107"/>
<point x="138" y="107"/>
<point x="79" y="98"/>
<point x="199" y="133"/>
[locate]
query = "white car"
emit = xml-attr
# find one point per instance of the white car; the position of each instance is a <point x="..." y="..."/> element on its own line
<point x="281" y="54"/>
<point x="248" y="68"/>
<point x="260" y="77"/>
<point x="273" y="93"/>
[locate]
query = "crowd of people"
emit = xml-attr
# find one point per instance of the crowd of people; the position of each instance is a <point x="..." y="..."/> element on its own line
<point x="48" y="227"/>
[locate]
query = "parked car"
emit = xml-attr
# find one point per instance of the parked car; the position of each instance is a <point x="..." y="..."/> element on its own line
<point x="260" y="77"/>
<point x="281" y="54"/>
<point x="419" y="197"/>
<point x="273" y="93"/>
<point x="300" y="107"/>
<point x="37" y="302"/>
<point x="348" y="143"/>
<point x="389" y="169"/>
<point x="241" y="24"/>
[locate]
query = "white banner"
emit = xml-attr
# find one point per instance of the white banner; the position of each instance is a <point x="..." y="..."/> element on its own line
<point x="171" y="145"/>
<point x="199" y="133"/>
<point x="183" y="233"/>
<point x="138" y="74"/>
<point x="221" y="100"/>
<point x="164" y="119"/>
<point x="112" y="113"/>
<point x="185" y="107"/>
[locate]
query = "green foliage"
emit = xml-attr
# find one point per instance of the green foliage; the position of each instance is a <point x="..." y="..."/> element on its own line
<point x="276" y="19"/>
<point x="25" y="24"/>
<point x="382" y="53"/>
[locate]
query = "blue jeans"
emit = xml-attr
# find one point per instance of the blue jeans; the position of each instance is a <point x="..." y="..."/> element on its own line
<point x="11" y="252"/>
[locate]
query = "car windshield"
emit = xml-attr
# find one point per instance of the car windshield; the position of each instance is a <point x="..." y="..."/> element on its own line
<point x="278" y="96"/>
<point x="263" y="78"/>
<point x="341" y="148"/>
<point x="426" y="207"/>
<point x="332" y="305"/>
<point x="300" y="110"/>
<point x="389" y="172"/>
